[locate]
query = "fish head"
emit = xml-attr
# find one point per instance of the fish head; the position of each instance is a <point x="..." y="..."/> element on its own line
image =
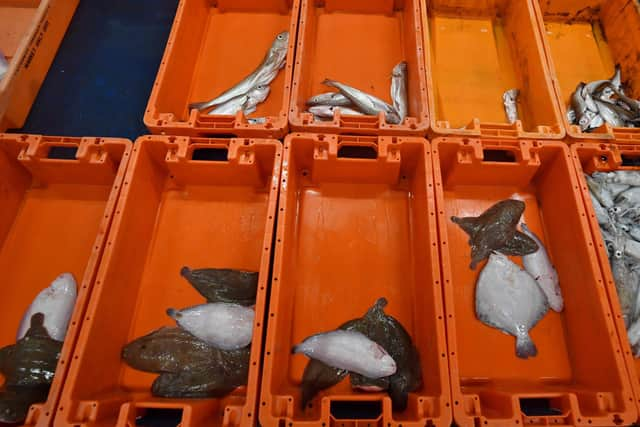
<point x="400" y="69"/>
<point x="385" y="362"/>
<point x="322" y="110"/>
<point x="145" y="352"/>
<point x="281" y="41"/>
<point x="585" y="119"/>
<point x="260" y="92"/>
<point x="65" y="284"/>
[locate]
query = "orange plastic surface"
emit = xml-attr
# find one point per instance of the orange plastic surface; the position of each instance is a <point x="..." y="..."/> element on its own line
<point x="589" y="158"/>
<point x="358" y="43"/>
<point x="30" y="33"/>
<point x="212" y="46"/>
<point x="475" y="51"/>
<point x="351" y="230"/>
<point x="173" y="211"/>
<point x="54" y="218"/>
<point x="579" y="371"/>
<point x="584" y="40"/>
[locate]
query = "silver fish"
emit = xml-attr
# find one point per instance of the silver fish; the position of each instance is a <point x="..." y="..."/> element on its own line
<point x="509" y="99"/>
<point x="539" y="266"/>
<point x="335" y="99"/>
<point x="584" y="109"/>
<point x="247" y="102"/>
<point x="625" y="177"/>
<point x="633" y="333"/>
<point x="273" y="61"/>
<point x="626" y="287"/>
<point x="601" y="213"/>
<point x="257" y="120"/>
<point x="609" y="115"/>
<point x="509" y="299"/>
<point x="327" y="111"/>
<point x="399" y="90"/>
<point x="222" y="325"/>
<point x="368" y="104"/>
<point x="56" y="303"/>
<point x="634" y="232"/>
<point x="349" y="350"/>
<point x="599" y="190"/>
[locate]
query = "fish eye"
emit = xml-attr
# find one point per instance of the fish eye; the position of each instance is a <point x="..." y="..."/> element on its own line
<point x="280" y="36"/>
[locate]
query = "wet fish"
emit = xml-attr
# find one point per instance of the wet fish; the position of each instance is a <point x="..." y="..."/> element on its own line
<point x="599" y="191"/>
<point x="224" y="285"/>
<point x="15" y="401"/>
<point x="349" y="350"/>
<point x="318" y="376"/>
<point x="633" y="333"/>
<point x="168" y="350"/>
<point x="625" y="281"/>
<point x="495" y="229"/>
<point x="223" y="325"/>
<point x="215" y="378"/>
<point x="601" y="213"/>
<point x="33" y="359"/>
<point x="246" y="102"/>
<point x="584" y="109"/>
<point x="539" y="266"/>
<point x="609" y="115"/>
<point x="625" y="177"/>
<point x="509" y="99"/>
<point x="335" y="99"/>
<point x="509" y="299"/>
<point x="367" y="104"/>
<point x="327" y="111"/>
<point x="268" y="69"/>
<point x="56" y="303"/>
<point x="399" y="90"/>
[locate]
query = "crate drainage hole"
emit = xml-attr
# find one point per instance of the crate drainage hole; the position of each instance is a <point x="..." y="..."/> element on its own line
<point x="62" y="153"/>
<point x="352" y="410"/>
<point x="630" y="160"/>
<point x="502" y="156"/>
<point x="159" y="417"/>
<point x="211" y="154"/>
<point x="357" y="152"/>
<point x="538" y="407"/>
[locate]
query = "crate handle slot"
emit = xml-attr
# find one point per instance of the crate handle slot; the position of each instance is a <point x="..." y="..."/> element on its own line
<point x="156" y="416"/>
<point x="63" y="152"/>
<point x="538" y="407"/>
<point x="356" y="409"/>
<point x="628" y="160"/>
<point x="501" y="156"/>
<point x="210" y="154"/>
<point x="357" y="152"/>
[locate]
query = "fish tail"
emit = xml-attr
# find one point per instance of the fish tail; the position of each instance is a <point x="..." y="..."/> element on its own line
<point x="173" y="313"/>
<point x="329" y="82"/>
<point x="199" y="105"/>
<point x="295" y="349"/>
<point x="525" y="347"/>
<point x="185" y="272"/>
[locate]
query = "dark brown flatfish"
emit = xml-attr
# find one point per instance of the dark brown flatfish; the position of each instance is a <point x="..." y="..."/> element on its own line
<point x="15" y="401"/>
<point x="32" y="360"/>
<point x="224" y="284"/>
<point x="496" y="230"/>
<point x="167" y="350"/>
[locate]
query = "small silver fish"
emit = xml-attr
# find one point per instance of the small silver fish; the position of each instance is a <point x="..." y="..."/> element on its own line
<point x="625" y="177"/>
<point x="509" y="299"/>
<point x="268" y="69"/>
<point x="349" y="350"/>
<point x="399" y="90"/>
<point x="633" y="334"/>
<point x="367" y="104"/>
<point x="607" y="112"/>
<point x="246" y="102"/>
<point x="335" y="99"/>
<point x="327" y="111"/>
<point x="509" y="99"/>
<point x="222" y="325"/>
<point x="600" y="192"/>
<point x="625" y="281"/>
<point x="539" y="266"/>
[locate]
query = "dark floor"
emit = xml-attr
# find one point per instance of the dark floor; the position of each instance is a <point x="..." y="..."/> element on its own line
<point x="101" y="78"/>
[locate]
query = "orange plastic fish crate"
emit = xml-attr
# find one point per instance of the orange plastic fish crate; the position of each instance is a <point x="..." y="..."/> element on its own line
<point x="173" y="211"/>
<point x="589" y="158"/>
<point x="584" y="41"/>
<point x="356" y="222"/>
<point x="54" y="218"/>
<point x="330" y="45"/>
<point x="475" y="51"/>
<point x="31" y="33"/>
<point x="212" y="46"/>
<point x="579" y="375"/>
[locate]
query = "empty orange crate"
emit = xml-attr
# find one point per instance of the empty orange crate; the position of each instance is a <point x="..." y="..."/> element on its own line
<point x="212" y="46"/>
<point x="358" y="43"/>
<point x="578" y="376"/>
<point x="173" y="211"/>
<point x="355" y="223"/>
<point x="476" y="50"/>
<point x="31" y="33"/>
<point x="584" y="40"/>
<point x="589" y="158"/>
<point x="54" y="218"/>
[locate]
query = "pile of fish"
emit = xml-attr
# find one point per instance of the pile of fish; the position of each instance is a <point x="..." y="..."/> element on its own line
<point x="603" y="101"/>
<point x="508" y="297"/>
<point x="352" y="101"/>
<point x="616" y="201"/>
<point x="29" y="365"/>
<point x="253" y="89"/>
<point x="375" y="350"/>
<point x="207" y="355"/>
